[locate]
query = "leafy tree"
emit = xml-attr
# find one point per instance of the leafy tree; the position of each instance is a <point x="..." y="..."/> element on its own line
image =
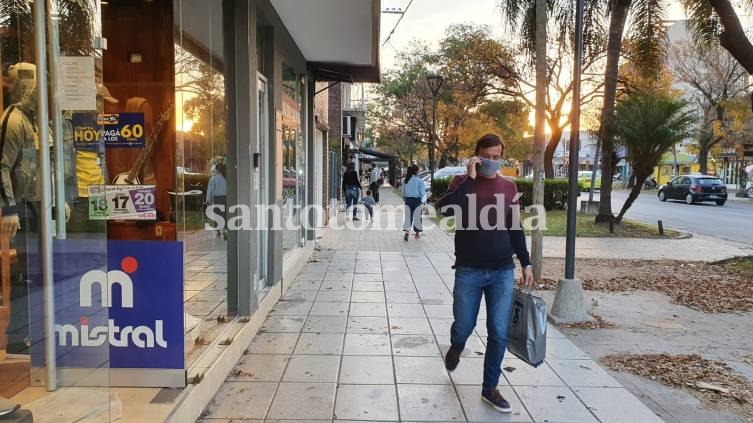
<point x="403" y="101"/>
<point x="648" y="124"/>
<point x="711" y="21"/>
<point x="75" y="28"/>
<point x="717" y="84"/>
<point x="203" y="88"/>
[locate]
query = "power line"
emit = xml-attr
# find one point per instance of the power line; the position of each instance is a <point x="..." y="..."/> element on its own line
<point x="397" y="23"/>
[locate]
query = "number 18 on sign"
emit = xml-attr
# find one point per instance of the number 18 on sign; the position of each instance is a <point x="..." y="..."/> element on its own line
<point x="122" y="202"/>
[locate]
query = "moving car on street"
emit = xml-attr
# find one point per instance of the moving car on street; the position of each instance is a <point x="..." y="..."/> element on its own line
<point x="694" y="189"/>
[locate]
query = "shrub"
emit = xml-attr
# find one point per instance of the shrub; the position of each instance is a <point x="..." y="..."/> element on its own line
<point x="555" y="193"/>
<point x="439" y="186"/>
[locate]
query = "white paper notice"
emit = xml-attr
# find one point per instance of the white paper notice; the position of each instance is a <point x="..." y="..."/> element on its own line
<point x="77" y="86"/>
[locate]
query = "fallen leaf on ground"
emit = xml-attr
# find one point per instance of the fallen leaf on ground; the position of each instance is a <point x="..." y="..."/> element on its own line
<point x="713" y="382"/>
<point x="598" y="323"/>
<point x="704" y="385"/>
<point x="708" y="287"/>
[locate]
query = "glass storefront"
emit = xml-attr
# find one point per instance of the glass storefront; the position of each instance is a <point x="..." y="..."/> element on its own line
<point x="293" y="159"/>
<point x="202" y="179"/>
<point x="55" y="264"/>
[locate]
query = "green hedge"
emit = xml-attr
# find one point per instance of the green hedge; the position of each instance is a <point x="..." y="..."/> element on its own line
<point x="439" y="186"/>
<point x="555" y="193"/>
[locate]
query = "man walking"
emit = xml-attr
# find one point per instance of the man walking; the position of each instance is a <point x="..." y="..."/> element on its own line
<point x="484" y="259"/>
<point x="375" y="177"/>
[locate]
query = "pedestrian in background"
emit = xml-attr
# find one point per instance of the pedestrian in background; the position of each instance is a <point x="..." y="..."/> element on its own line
<point x="351" y="190"/>
<point x="217" y="195"/>
<point x="414" y="191"/>
<point x="374" y="178"/>
<point x="484" y="261"/>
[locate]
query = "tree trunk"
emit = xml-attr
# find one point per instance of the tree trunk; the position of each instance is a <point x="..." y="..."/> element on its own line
<point x="703" y="157"/>
<point x="551" y="148"/>
<point x="537" y="238"/>
<point x="733" y="38"/>
<point x="633" y="195"/>
<point x="616" y="27"/>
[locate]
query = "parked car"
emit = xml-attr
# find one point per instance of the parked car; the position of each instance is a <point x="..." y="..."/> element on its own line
<point x="584" y="178"/>
<point x="694" y="189"/>
<point x="445" y="172"/>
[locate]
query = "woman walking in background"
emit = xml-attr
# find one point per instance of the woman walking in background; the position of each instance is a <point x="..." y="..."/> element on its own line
<point x="217" y="195"/>
<point x="351" y="189"/>
<point x="413" y="192"/>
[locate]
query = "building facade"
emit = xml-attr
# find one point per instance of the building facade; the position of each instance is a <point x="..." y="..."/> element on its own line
<point x="175" y="188"/>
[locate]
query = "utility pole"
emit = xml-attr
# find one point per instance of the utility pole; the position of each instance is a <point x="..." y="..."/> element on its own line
<point x="568" y="305"/>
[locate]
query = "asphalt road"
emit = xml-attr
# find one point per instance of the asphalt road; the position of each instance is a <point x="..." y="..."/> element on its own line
<point x="732" y="221"/>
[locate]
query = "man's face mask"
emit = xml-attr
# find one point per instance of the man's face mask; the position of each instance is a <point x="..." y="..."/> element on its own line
<point x="489" y="168"/>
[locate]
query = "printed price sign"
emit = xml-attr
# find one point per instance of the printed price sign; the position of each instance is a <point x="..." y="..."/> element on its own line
<point x="123" y="129"/>
<point x="87" y="133"/>
<point x="122" y="202"/>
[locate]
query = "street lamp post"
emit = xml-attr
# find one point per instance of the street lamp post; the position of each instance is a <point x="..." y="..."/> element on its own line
<point x="410" y="145"/>
<point x="435" y="82"/>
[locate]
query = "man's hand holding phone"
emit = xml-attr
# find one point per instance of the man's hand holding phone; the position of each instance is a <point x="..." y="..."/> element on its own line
<point x="473" y="165"/>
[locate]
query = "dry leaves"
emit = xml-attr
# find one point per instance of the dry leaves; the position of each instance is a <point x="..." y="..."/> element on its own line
<point x="597" y="323"/>
<point x="712" y="288"/>
<point x="713" y="382"/>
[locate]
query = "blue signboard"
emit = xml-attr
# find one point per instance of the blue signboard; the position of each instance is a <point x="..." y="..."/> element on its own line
<point x="123" y="129"/>
<point x="88" y="135"/>
<point x="118" y="304"/>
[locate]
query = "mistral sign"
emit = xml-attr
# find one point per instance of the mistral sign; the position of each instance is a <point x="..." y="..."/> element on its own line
<point x="122" y="309"/>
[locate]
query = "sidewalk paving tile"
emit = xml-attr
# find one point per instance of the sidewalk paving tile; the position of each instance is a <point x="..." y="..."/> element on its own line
<point x="368" y="310"/>
<point x="554" y="404"/>
<point x="375" y="370"/>
<point x="616" y="405"/>
<point x="303" y="401"/>
<point x="479" y="411"/>
<point x="367" y="344"/>
<point x="259" y="368"/>
<point x="368" y="297"/>
<point x="520" y="373"/>
<point x="366" y="402"/>
<point x="325" y="324"/>
<point x="239" y="400"/>
<point x="365" y="324"/>
<point x="470" y="371"/>
<point x="410" y="326"/>
<point x="333" y="296"/>
<point x="584" y="373"/>
<point x="421" y="370"/>
<point x="429" y="403"/>
<point x="273" y="343"/>
<point x="312" y="368"/>
<point x="326" y="308"/>
<point x="320" y="343"/>
<point x="414" y="346"/>
<point x="283" y="324"/>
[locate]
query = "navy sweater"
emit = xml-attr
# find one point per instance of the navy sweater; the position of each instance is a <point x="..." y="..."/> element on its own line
<point x="485" y="248"/>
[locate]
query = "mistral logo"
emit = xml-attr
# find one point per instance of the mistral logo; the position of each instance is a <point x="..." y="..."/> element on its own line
<point x="86" y="336"/>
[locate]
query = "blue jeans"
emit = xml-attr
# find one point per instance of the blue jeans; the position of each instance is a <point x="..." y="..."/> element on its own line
<point x="496" y="285"/>
<point x="413" y="214"/>
<point x="351" y="199"/>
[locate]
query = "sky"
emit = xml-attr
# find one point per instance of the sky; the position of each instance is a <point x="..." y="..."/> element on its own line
<point x="427" y="20"/>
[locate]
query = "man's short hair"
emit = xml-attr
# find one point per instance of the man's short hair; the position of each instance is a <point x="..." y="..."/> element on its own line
<point x="488" y="140"/>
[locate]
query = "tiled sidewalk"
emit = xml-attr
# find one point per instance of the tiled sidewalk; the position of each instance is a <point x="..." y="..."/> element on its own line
<point x="360" y="336"/>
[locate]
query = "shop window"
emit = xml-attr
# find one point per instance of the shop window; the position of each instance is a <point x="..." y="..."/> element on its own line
<point x="292" y="157"/>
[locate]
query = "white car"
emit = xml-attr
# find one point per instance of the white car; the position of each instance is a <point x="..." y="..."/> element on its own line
<point x="445" y="172"/>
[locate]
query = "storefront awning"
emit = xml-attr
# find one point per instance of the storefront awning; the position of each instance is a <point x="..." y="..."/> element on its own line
<point x="339" y="38"/>
<point x="377" y="154"/>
